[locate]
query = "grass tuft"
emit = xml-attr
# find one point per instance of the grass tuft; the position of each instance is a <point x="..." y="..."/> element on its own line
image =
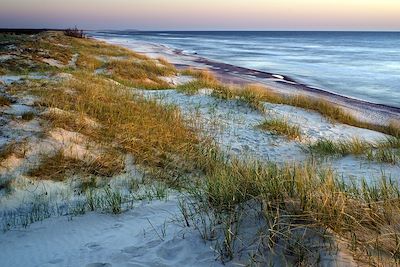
<point x="4" y="101"/>
<point x="27" y="116"/>
<point x="281" y="127"/>
<point x="58" y="167"/>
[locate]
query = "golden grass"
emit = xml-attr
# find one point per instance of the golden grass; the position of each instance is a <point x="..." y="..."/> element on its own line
<point x="58" y="167"/>
<point x="141" y="74"/>
<point x="161" y="142"/>
<point x="17" y="148"/>
<point x="255" y="94"/>
<point x="281" y="127"/>
<point x="156" y="135"/>
<point x="366" y="216"/>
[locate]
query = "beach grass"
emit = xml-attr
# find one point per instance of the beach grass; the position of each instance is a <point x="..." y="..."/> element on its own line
<point x="385" y="151"/>
<point x="255" y="94"/>
<point x="281" y="127"/>
<point x="167" y="146"/>
<point x="58" y="166"/>
<point x="156" y="135"/>
<point x="364" y="215"/>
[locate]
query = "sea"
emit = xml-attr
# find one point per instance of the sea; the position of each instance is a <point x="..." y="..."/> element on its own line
<point x="362" y="65"/>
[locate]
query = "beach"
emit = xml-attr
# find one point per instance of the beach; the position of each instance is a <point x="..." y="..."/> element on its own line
<point x="376" y="113"/>
<point x="130" y="153"/>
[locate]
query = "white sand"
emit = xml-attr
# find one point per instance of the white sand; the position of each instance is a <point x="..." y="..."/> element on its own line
<point x="105" y="240"/>
<point x="234" y="127"/>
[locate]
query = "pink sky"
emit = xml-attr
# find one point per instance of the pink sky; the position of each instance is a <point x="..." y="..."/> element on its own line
<point x="205" y="14"/>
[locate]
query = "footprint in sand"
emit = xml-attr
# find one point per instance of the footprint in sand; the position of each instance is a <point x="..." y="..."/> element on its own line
<point x="137" y="251"/>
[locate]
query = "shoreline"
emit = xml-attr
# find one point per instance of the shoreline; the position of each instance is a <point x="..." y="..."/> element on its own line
<point x="380" y="114"/>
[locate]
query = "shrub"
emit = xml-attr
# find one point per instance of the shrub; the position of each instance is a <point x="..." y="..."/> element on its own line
<point x="74" y="32"/>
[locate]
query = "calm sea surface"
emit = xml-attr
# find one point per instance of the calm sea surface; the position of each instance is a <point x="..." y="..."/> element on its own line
<point x="363" y="65"/>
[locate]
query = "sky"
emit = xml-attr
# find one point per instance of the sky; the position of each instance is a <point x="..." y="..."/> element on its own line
<point x="202" y="14"/>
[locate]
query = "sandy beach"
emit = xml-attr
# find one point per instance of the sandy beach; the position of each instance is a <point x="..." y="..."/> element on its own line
<point x="125" y="157"/>
<point x="231" y="74"/>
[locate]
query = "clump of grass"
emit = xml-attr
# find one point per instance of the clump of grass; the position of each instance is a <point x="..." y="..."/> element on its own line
<point x="249" y="95"/>
<point x="354" y="146"/>
<point x="4" y="101"/>
<point x="71" y="122"/>
<point x="18" y="148"/>
<point x="204" y="79"/>
<point x="383" y="151"/>
<point x="144" y="74"/>
<point x="88" y="62"/>
<point x="27" y="116"/>
<point x="3" y="71"/>
<point x="386" y="155"/>
<point x="58" y="167"/>
<point x="281" y="127"/>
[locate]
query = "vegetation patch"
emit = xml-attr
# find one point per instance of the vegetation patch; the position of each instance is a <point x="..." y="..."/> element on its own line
<point x="386" y="151"/>
<point x="281" y="127"/>
<point x="4" y="101"/>
<point x="58" y="167"/>
<point x="254" y="95"/>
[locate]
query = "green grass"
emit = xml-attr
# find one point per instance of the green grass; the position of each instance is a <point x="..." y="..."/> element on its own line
<point x="386" y="151"/>
<point x="281" y="127"/>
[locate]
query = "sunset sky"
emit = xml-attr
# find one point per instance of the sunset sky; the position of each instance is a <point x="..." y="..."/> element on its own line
<point x="203" y="15"/>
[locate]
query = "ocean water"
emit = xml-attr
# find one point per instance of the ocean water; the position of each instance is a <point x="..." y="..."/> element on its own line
<point x="364" y="65"/>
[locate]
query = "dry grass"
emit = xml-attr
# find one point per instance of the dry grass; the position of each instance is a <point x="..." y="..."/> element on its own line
<point x="140" y="74"/>
<point x="162" y="143"/>
<point x="254" y="95"/>
<point x="58" y="167"/>
<point x="363" y="215"/>
<point x="281" y="127"/>
<point x="4" y="101"/>
<point x="27" y="116"/>
<point x="17" y="148"/>
<point x="156" y="135"/>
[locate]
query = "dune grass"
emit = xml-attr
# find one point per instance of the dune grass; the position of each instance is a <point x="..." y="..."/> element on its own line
<point x="365" y="216"/>
<point x="255" y="94"/>
<point x="386" y="151"/>
<point x="157" y="136"/>
<point x="17" y="148"/>
<point x="58" y="167"/>
<point x="281" y="127"/>
<point x="143" y="74"/>
<point x="166" y="146"/>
